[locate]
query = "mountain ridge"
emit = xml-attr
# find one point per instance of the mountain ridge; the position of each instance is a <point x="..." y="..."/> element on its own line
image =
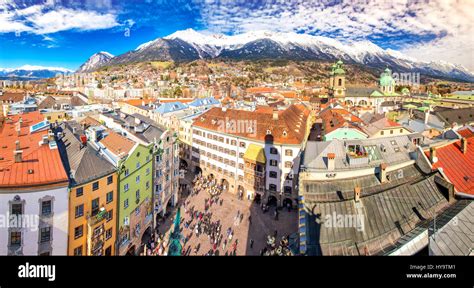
<point x="189" y="45"/>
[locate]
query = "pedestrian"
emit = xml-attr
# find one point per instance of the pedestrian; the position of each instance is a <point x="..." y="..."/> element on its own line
<point x="250" y="219"/>
<point x="251" y="243"/>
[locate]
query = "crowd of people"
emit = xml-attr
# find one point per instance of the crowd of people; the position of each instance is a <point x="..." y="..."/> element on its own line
<point x="196" y="223"/>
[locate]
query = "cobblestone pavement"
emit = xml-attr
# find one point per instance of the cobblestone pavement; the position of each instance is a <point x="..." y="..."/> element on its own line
<point x="263" y="224"/>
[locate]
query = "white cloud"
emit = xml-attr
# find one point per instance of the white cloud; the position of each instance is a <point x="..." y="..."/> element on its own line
<point x="48" y="18"/>
<point x="449" y="22"/>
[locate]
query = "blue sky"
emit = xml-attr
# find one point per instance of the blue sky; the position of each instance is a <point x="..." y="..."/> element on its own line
<point x="64" y="33"/>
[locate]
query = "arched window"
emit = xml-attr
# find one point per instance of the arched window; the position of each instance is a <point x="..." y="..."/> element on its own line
<point x="340" y="82"/>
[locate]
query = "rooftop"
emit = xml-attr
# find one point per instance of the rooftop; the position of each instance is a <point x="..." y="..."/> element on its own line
<point x="41" y="163"/>
<point x="458" y="167"/>
<point x="289" y="127"/>
<point x="117" y="144"/>
<point x="82" y="162"/>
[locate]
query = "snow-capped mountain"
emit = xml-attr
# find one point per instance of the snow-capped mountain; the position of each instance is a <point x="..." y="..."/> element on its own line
<point x="189" y="45"/>
<point x="33" y="72"/>
<point x="95" y="61"/>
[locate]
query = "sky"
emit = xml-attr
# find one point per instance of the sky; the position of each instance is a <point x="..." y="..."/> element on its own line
<point x="65" y="33"/>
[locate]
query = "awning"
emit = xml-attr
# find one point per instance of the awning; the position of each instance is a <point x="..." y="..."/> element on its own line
<point x="255" y="153"/>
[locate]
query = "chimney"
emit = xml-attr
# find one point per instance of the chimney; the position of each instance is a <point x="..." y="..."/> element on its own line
<point x="433" y="157"/>
<point x="17" y="145"/>
<point x="18" y="156"/>
<point x="383" y="173"/>
<point x="331" y="161"/>
<point x="275" y="114"/>
<point x="464" y="146"/>
<point x="427" y="116"/>
<point x="357" y="191"/>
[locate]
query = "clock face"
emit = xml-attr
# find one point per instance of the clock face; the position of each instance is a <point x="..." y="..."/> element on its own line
<point x="339" y="92"/>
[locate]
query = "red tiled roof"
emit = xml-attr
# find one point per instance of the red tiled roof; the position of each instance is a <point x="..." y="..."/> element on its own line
<point x="336" y="118"/>
<point x="293" y="121"/>
<point x="45" y="163"/>
<point x="458" y="167"/>
<point x="10" y="97"/>
<point x="466" y="133"/>
<point x="117" y="144"/>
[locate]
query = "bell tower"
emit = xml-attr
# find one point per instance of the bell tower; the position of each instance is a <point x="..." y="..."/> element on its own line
<point x="337" y="80"/>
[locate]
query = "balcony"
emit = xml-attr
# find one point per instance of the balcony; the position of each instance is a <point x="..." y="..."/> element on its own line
<point x="96" y="219"/>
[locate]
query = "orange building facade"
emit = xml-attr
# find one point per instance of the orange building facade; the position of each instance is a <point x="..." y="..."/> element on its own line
<point x="92" y="210"/>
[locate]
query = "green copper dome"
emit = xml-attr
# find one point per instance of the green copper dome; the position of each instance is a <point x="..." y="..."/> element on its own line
<point x="340" y="62"/>
<point x="386" y="78"/>
<point x="339" y="71"/>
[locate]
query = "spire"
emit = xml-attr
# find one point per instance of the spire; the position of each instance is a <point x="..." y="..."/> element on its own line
<point x="175" y="237"/>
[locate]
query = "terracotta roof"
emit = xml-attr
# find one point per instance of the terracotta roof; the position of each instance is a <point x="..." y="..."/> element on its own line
<point x="289" y="128"/>
<point x="466" y="133"/>
<point x="9" y="97"/>
<point x="338" y="118"/>
<point x="43" y="163"/>
<point x="458" y="167"/>
<point x="117" y="144"/>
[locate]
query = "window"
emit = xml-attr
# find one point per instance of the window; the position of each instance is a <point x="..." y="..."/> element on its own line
<point x="109" y="216"/>
<point x="381" y="132"/>
<point x="125" y="204"/>
<point x="158" y="158"/>
<point x="401" y="130"/>
<point x="273" y="151"/>
<point x="272" y="187"/>
<point x="79" y="192"/>
<point x="95" y="206"/>
<point x="109" y="197"/>
<point x="108" y="234"/>
<point x="273" y="174"/>
<point x="288" y="152"/>
<point x="391" y="131"/>
<point x="45" y="234"/>
<point x="95" y="186"/>
<point x="79" y="210"/>
<point x="137" y="194"/>
<point x="110" y="180"/>
<point x="287" y="189"/>
<point x="137" y="165"/>
<point x="78" y="251"/>
<point x="137" y="179"/>
<point x="17" y="209"/>
<point x="127" y="172"/>
<point x="147" y="186"/>
<point x="147" y="171"/>
<point x="125" y="187"/>
<point x="273" y="163"/>
<point x="78" y="232"/>
<point x="15" y="238"/>
<point x="242" y="144"/>
<point x="288" y="164"/>
<point x="46" y="207"/>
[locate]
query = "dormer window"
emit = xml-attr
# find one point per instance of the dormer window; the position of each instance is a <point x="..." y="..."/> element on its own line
<point x="285" y="134"/>
<point x="269" y="132"/>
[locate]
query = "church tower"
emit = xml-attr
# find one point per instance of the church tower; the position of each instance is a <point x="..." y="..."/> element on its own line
<point x="387" y="83"/>
<point x="337" y="80"/>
